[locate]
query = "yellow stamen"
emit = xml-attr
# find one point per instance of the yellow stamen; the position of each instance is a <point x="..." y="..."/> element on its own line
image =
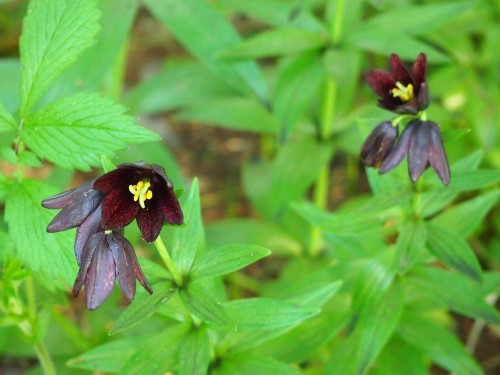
<point x="405" y="93"/>
<point x="141" y="192"/>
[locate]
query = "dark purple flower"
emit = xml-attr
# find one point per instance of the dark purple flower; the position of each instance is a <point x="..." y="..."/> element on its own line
<point x="421" y="140"/>
<point x="140" y="191"/>
<point x="401" y="90"/>
<point x="107" y="256"/>
<point x="77" y="204"/>
<point x="378" y="144"/>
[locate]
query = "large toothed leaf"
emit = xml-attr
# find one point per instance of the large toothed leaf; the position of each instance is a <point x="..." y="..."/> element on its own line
<point x="7" y="122"/>
<point x="54" y="34"/>
<point x="50" y="254"/>
<point x="73" y="132"/>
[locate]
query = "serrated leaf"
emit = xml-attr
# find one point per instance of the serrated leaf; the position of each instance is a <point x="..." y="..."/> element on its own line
<point x="465" y="217"/>
<point x="453" y="251"/>
<point x="438" y="343"/>
<point x="265" y="313"/>
<point x="7" y="121"/>
<point x="275" y="42"/>
<point x="54" y="34"/>
<point x="48" y="253"/>
<point x="188" y="20"/>
<point x="188" y="241"/>
<point x="205" y="306"/>
<point x="232" y="113"/>
<point x="252" y="364"/>
<point x="194" y="353"/>
<point x="143" y="306"/>
<point x="73" y="132"/>
<point x="227" y="259"/>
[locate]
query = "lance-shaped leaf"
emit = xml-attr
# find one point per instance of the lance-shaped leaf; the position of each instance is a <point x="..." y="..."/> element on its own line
<point x="73" y="132"/>
<point x="194" y="353"/>
<point x="54" y="34"/>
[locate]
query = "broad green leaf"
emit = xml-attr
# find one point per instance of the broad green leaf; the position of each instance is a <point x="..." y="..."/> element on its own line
<point x="264" y="313"/>
<point x="191" y="239"/>
<point x="465" y="217"/>
<point x="194" y="353"/>
<point x="205" y="306"/>
<point x="473" y="180"/>
<point x="73" y="132"/>
<point x="453" y="251"/>
<point x="438" y="343"/>
<point x="298" y="83"/>
<point x="227" y="259"/>
<point x="50" y="254"/>
<point x="54" y="34"/>
<point x="252" y="364"/>
<point x="410" y="244"/>
<point x="188" y="20"/>
<point x="232" y="113"/>
<point x="456" y="292"/>
<point x="143" y="306"/>
<point x="178" y="84"/>
<point x="108" y="357"/>
<point x="7" y="121"/>
<point x="275" y="42"/>
<point x="159" y="354"/>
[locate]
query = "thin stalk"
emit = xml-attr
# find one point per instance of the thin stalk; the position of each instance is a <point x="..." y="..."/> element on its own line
<point x="165" y="256"/>
<point x="44" y="357"/>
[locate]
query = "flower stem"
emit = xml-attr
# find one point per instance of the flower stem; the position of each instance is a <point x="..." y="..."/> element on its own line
<point x="44" y="358"/>
<point x="165" y="256"/>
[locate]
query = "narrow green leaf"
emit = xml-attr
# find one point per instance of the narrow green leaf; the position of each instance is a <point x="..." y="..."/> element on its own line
<point x="264" y="313"/>
<point x="107" y="164"/>
<point x="73" y="132"/>
<point x="227" y="259"/>
<point x="453" y="251"/>
<point x="188" y="241"/>
<point x="50" y="254"/>
<point x="410" y="244"/>
<point x="188" y="20"/>
<point x="204" y="305"/>
<point x="465" y="217"/>
<point x="275" y="42"/>
<point x="194" y="353"/>
<point x="54" y="34"/>
<point x="439" y="344"/>
<point x="252" y="364"/>
<point x="399" y="356"/>
<point x="456" y="292"/>
<point x="159" y="354"/>
<point x="432" y="201"/>
<point x="143" y="306"/>
<point x="232" y="113"/>
<point x="7" y="121"/>
<point x="473" y="180"/>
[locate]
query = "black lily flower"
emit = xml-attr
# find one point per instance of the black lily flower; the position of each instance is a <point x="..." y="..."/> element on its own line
<point x="140" y="191"/>
<point x="421" y="140"/>
<point x="400" y="90"/>
<point x="77" y="204"/>
<point x="107" y="256"/>
<point x="378" y="144"/>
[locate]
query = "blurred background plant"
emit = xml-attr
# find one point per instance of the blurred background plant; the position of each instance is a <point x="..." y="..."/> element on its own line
<point x="265" y="102"/>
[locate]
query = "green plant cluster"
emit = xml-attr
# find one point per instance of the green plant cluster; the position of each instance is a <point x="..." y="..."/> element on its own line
<point x="377" y="285"/>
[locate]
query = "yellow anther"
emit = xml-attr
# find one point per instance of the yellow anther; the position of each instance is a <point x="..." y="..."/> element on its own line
<point x="141" y="192"/>
<point x="405" y="93"/>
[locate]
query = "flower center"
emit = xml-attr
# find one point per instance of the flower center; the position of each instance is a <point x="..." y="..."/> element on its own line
<point x="405" y="93"/>
<point x="141" y="192"/>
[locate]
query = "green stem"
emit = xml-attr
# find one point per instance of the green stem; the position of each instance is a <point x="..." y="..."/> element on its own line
<point x="165" y="256"/>
<point x="44" y="357"/>
<point x="338" y="21"/>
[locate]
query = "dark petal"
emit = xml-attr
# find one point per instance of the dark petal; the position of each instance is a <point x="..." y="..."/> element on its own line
<point x="381" y="82"/>
<point x="86" y="259"/>
<point x="399" y="72"/>
<point x="118" y="209"/>
<point x="123" y="264"/>
<point x="437" y="154"/>
<point x="150" y="220"/>
<point x="410" y="108"/>
<point x="82" y="204"/>
<point x="378" y="144"/>
<point x="65" y="198"/>
<point x="423" y="96"/>
<point x="89" y="227"/>
<point x="418" y="154"/>
<point x="101" y="276"/>
<point x="399" y="150"/>
<point x="389" y="103"/>
<point x="129" y="252"/>
<point x="120" y="178"/>
<point x="418" y="70"/>
<point x="158" y="169"/>
<point x="172" y="212"/>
